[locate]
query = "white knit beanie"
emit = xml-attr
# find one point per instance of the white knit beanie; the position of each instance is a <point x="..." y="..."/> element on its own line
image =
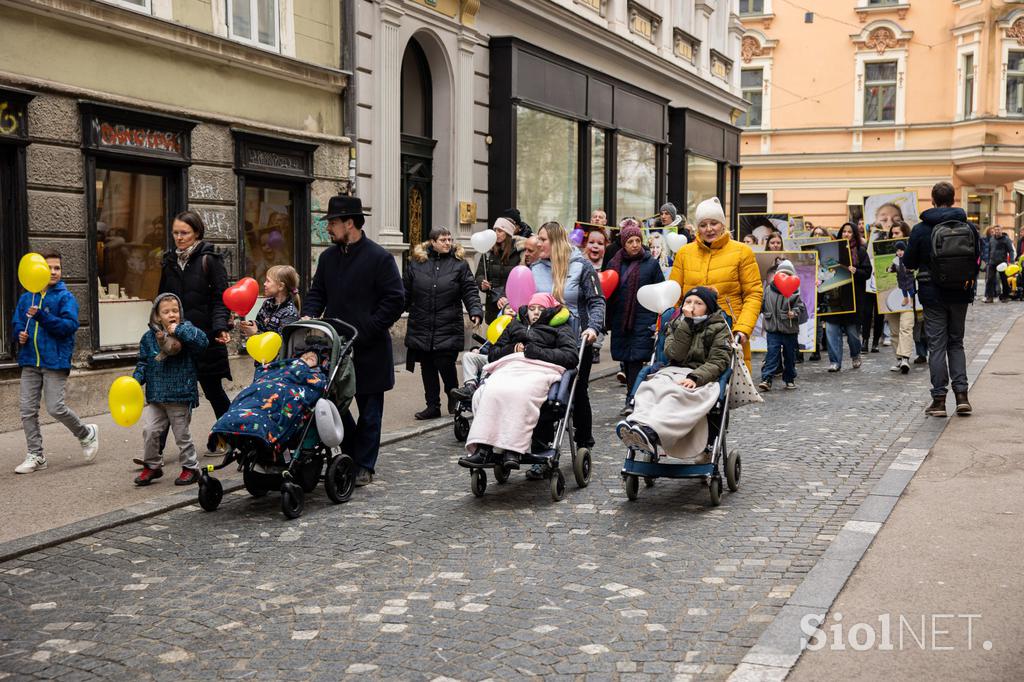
<point x="506" y="226"/>
<point x="709" y="209"/>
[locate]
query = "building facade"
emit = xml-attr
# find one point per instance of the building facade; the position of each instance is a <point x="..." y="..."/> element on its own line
<point x="465" y="108"/>
<point x="864" y="97"/>
<point x="115" y="115"/>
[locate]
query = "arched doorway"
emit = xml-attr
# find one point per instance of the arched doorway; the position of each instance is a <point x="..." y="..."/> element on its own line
<point x="417" y="144"/>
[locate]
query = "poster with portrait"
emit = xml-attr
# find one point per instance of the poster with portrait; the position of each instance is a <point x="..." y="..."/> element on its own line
<point x="754" y="229"/>
<point x="897" y="289"/>
<point x="836" y="294"/>
<point x="806" y="265"/>
<point x="653" y="238"/>
<point x="880" y="210"/>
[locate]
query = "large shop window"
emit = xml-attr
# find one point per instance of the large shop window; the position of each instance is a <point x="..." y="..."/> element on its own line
<point x="547" y="166"/>
<point x="598" y="164"/>
<point x="636" y="178"/>
<point x="701" y="181"/>
<point x="131" y="237"/>
<point x="269" y="229"/>
<point x="14" y="139"/>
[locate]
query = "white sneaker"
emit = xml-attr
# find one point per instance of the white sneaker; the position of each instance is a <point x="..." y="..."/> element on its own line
<point x="887" y="341"/>
<point x="91" y="443"/>
<point x="31" y="463"/>
<point x="895" y="368"/>
<point x="833" y="367"/>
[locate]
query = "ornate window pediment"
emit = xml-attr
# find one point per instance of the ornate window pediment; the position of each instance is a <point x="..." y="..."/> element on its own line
<point x="881" y="36"/>
<point x="755" y="44"/>
<point x="1013" y="24"/>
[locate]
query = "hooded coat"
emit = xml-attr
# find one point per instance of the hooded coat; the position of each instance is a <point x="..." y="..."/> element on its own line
<point x="437" y="286"/>
<point x="918" y="256"/>
<point x="200" y="288"/>
<point x="775" y="309"/>
<point x="703" y="346"/>
<point x="171" y="379"/>
<point x="51" y="331"/>
<point x="541" y="341"/>
<point x="635" y="344"/>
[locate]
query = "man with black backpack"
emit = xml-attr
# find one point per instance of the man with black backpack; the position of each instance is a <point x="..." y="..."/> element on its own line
<point x="946" y="251"/>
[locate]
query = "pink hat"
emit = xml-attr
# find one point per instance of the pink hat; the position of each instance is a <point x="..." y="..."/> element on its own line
<point x="544" y="299"/>
<point x="505" y="225"/>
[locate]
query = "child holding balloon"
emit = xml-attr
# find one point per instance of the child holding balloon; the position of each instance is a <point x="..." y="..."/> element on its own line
<point x="168" y="372"/>
<point x="282" y="305"/>
<point x="783" y="311"/>
<point x="45" y="322"/>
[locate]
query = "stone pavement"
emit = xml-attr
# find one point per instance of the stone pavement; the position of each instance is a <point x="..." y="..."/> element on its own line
<point x="415" y="578"/>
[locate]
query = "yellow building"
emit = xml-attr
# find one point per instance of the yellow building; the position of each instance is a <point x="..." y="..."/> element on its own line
<point x="861" y="97"/>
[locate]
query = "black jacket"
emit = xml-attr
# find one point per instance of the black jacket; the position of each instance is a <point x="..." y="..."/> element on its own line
<point x="436" y="287"/>
<point x="359" y="284"/>
<point x="918" y="256"/>
<point x="200" y="287"/>
<point x="557" y="345"/>
<point x="497" y="274"/>
<point x="1000" y="250"/>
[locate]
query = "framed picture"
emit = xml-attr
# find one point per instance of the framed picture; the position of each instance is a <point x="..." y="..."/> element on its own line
<point x="754" y="229"/>
<point x="806" y="265"/>
<point x="897" y="290"/>
<point x="880" y="210"/>
<point x="836" y="294"/>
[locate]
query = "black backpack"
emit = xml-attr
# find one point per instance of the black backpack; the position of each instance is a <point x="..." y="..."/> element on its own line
<point x="954" y="255"/>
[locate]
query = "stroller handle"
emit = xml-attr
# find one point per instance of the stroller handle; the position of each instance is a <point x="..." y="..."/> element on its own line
<point x="344" y="327"/>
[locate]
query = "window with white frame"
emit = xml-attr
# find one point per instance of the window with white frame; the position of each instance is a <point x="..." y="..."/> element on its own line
<point x="968" y="93"/>
<point x="880" y="92"/>
<point x="752" y="88"/>
<point x="137" y="5"/>
<point x="254" y="21"/>
<point x="754" y="7"/>
<point x="879" y="3"/>
<point x="1015" y="83"/>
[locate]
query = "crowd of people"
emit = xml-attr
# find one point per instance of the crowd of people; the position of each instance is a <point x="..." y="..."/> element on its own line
<point x="358" y="281"/>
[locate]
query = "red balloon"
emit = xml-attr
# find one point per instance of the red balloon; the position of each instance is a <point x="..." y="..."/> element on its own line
<point x="241" y="297"/>
<point x="786" y="283"/>
<point x="609" y="282"/>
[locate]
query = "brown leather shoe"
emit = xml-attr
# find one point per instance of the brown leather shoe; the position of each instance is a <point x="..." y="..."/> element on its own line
<point x="963" y="406"/>
<point x="937" y="408"/>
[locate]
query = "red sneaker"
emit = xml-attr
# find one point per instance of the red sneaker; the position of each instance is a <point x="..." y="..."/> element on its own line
<point x="187" y="477"/>
<point x="147" y="475"/>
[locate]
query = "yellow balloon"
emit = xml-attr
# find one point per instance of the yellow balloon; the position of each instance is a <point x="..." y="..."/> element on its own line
<point x="264" y="347"/>
<point x="497" y="328"/>
<point x="1012" y="270"/>
<point x="126" y="400"/>
<point x="33" y="272"/>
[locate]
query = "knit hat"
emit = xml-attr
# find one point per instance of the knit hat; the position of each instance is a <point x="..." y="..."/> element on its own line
<point x="785" y="266"/>
<point x="709" y="209"/>
<point x="513" y="215"/>
<point x="545" y="299"/>
<point x="707" y="294"/>
<point x="629" y="231"/>
<point x="506" y="226"/>
<point x="901" y="245"/>
<point x="670" y="208"/>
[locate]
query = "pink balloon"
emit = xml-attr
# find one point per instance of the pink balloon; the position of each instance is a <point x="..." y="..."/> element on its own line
<point x="520" y="286"/>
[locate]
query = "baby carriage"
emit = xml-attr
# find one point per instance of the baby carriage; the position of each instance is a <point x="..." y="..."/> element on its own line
<point x="553" y="429"/>
<point x="463" y="407"/>
<point x="640" y="464"/>
<point x="287" y="451"/>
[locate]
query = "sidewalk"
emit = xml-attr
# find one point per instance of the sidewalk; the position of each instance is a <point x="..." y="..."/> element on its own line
<point x="950" y="549"/>
<point x="69" y="490"/>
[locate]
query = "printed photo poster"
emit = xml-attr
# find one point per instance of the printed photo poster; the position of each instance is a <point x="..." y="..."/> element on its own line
<point x="806" y="265"/>
<point x="653" y="239"/>
<point x="835" y="281"/>
<point x="897" y="290"/>
<point x="880" y="210"/>
<point x="754" y="229"/>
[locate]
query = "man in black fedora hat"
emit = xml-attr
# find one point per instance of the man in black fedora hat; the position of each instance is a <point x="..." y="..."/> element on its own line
<point x="357" y="282"/>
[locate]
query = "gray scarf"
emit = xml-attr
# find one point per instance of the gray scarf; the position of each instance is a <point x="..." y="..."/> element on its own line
<point x="184" y="254"/>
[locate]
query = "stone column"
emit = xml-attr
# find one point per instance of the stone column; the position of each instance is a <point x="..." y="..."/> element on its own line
<point x="387" y="137"/>
<point x="464" y="137"/>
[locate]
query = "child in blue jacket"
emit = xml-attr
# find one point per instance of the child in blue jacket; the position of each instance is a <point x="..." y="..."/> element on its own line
<point x="44" y="325"/>
<point x="167" y="368"/>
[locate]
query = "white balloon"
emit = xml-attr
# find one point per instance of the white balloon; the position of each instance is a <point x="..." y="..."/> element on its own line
<point x="1001" y="267"/>
<point x="659" y="297"/>
<point x="675" y="241"/>
<point x="483" y="241"/>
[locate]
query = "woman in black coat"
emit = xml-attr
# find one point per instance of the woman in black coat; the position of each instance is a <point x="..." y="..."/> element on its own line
<point x="494" y="267"/>
<point x="195" y="273"/>
<point x="438" y="283"/>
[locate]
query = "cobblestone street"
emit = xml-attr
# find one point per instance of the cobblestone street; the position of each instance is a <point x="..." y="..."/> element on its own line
<point x="417" y="579"/>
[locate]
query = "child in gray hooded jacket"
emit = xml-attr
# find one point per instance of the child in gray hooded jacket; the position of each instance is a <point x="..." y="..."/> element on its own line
<point x="782" y="316"/>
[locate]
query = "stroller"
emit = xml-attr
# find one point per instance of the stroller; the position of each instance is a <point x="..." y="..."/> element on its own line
<point x="464" y="408"/>
<point x="556" y="419"/>
<point x="294" y="464"/>
<point x="639" y="464"/>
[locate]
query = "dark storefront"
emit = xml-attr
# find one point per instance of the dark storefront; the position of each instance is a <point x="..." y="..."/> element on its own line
<point x="704" y="162"/>
<point x="13" y="207"/>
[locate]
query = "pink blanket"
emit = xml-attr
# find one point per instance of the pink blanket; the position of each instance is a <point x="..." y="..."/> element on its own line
<point x="507" y="405"/>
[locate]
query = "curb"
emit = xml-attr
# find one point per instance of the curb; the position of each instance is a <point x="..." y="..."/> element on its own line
<point x="779" y="648"/>
<point x="158" y="505"/>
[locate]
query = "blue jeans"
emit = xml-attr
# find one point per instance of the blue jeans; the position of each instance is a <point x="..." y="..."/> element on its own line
<point x="787" y="344"/>
<point x="835" y="332"/>
<point x="362" y="439"/>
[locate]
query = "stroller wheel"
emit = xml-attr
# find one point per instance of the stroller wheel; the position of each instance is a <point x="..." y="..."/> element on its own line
<point x="461" y="427"/>
<point x="732" y="471"/>
<point x="557" y="485"/>
<point x="501" y="473"/>
<point x="255" y="484"/>
<point x="581" y="465"/>
<point x="340" y="479"/>
<point x="292" y="500"/>
<point x="715" y="487"/>
<point x="211" y="492"/>
<point x="632" y="486"/>
<point x="478" y="482"/>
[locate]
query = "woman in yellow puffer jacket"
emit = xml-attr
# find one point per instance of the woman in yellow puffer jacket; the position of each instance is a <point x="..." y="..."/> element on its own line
<point x="716" y="260"/>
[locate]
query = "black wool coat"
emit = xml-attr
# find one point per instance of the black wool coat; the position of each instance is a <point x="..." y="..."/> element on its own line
<point x="359" y="284"/>
<point x="437" y="286"/>
<point x="200" y="287"/>
<point x="557" y="345"/>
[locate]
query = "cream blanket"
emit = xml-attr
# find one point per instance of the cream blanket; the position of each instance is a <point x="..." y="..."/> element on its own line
<point x="506" y="407"/>
<point x="677" y="414"/>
